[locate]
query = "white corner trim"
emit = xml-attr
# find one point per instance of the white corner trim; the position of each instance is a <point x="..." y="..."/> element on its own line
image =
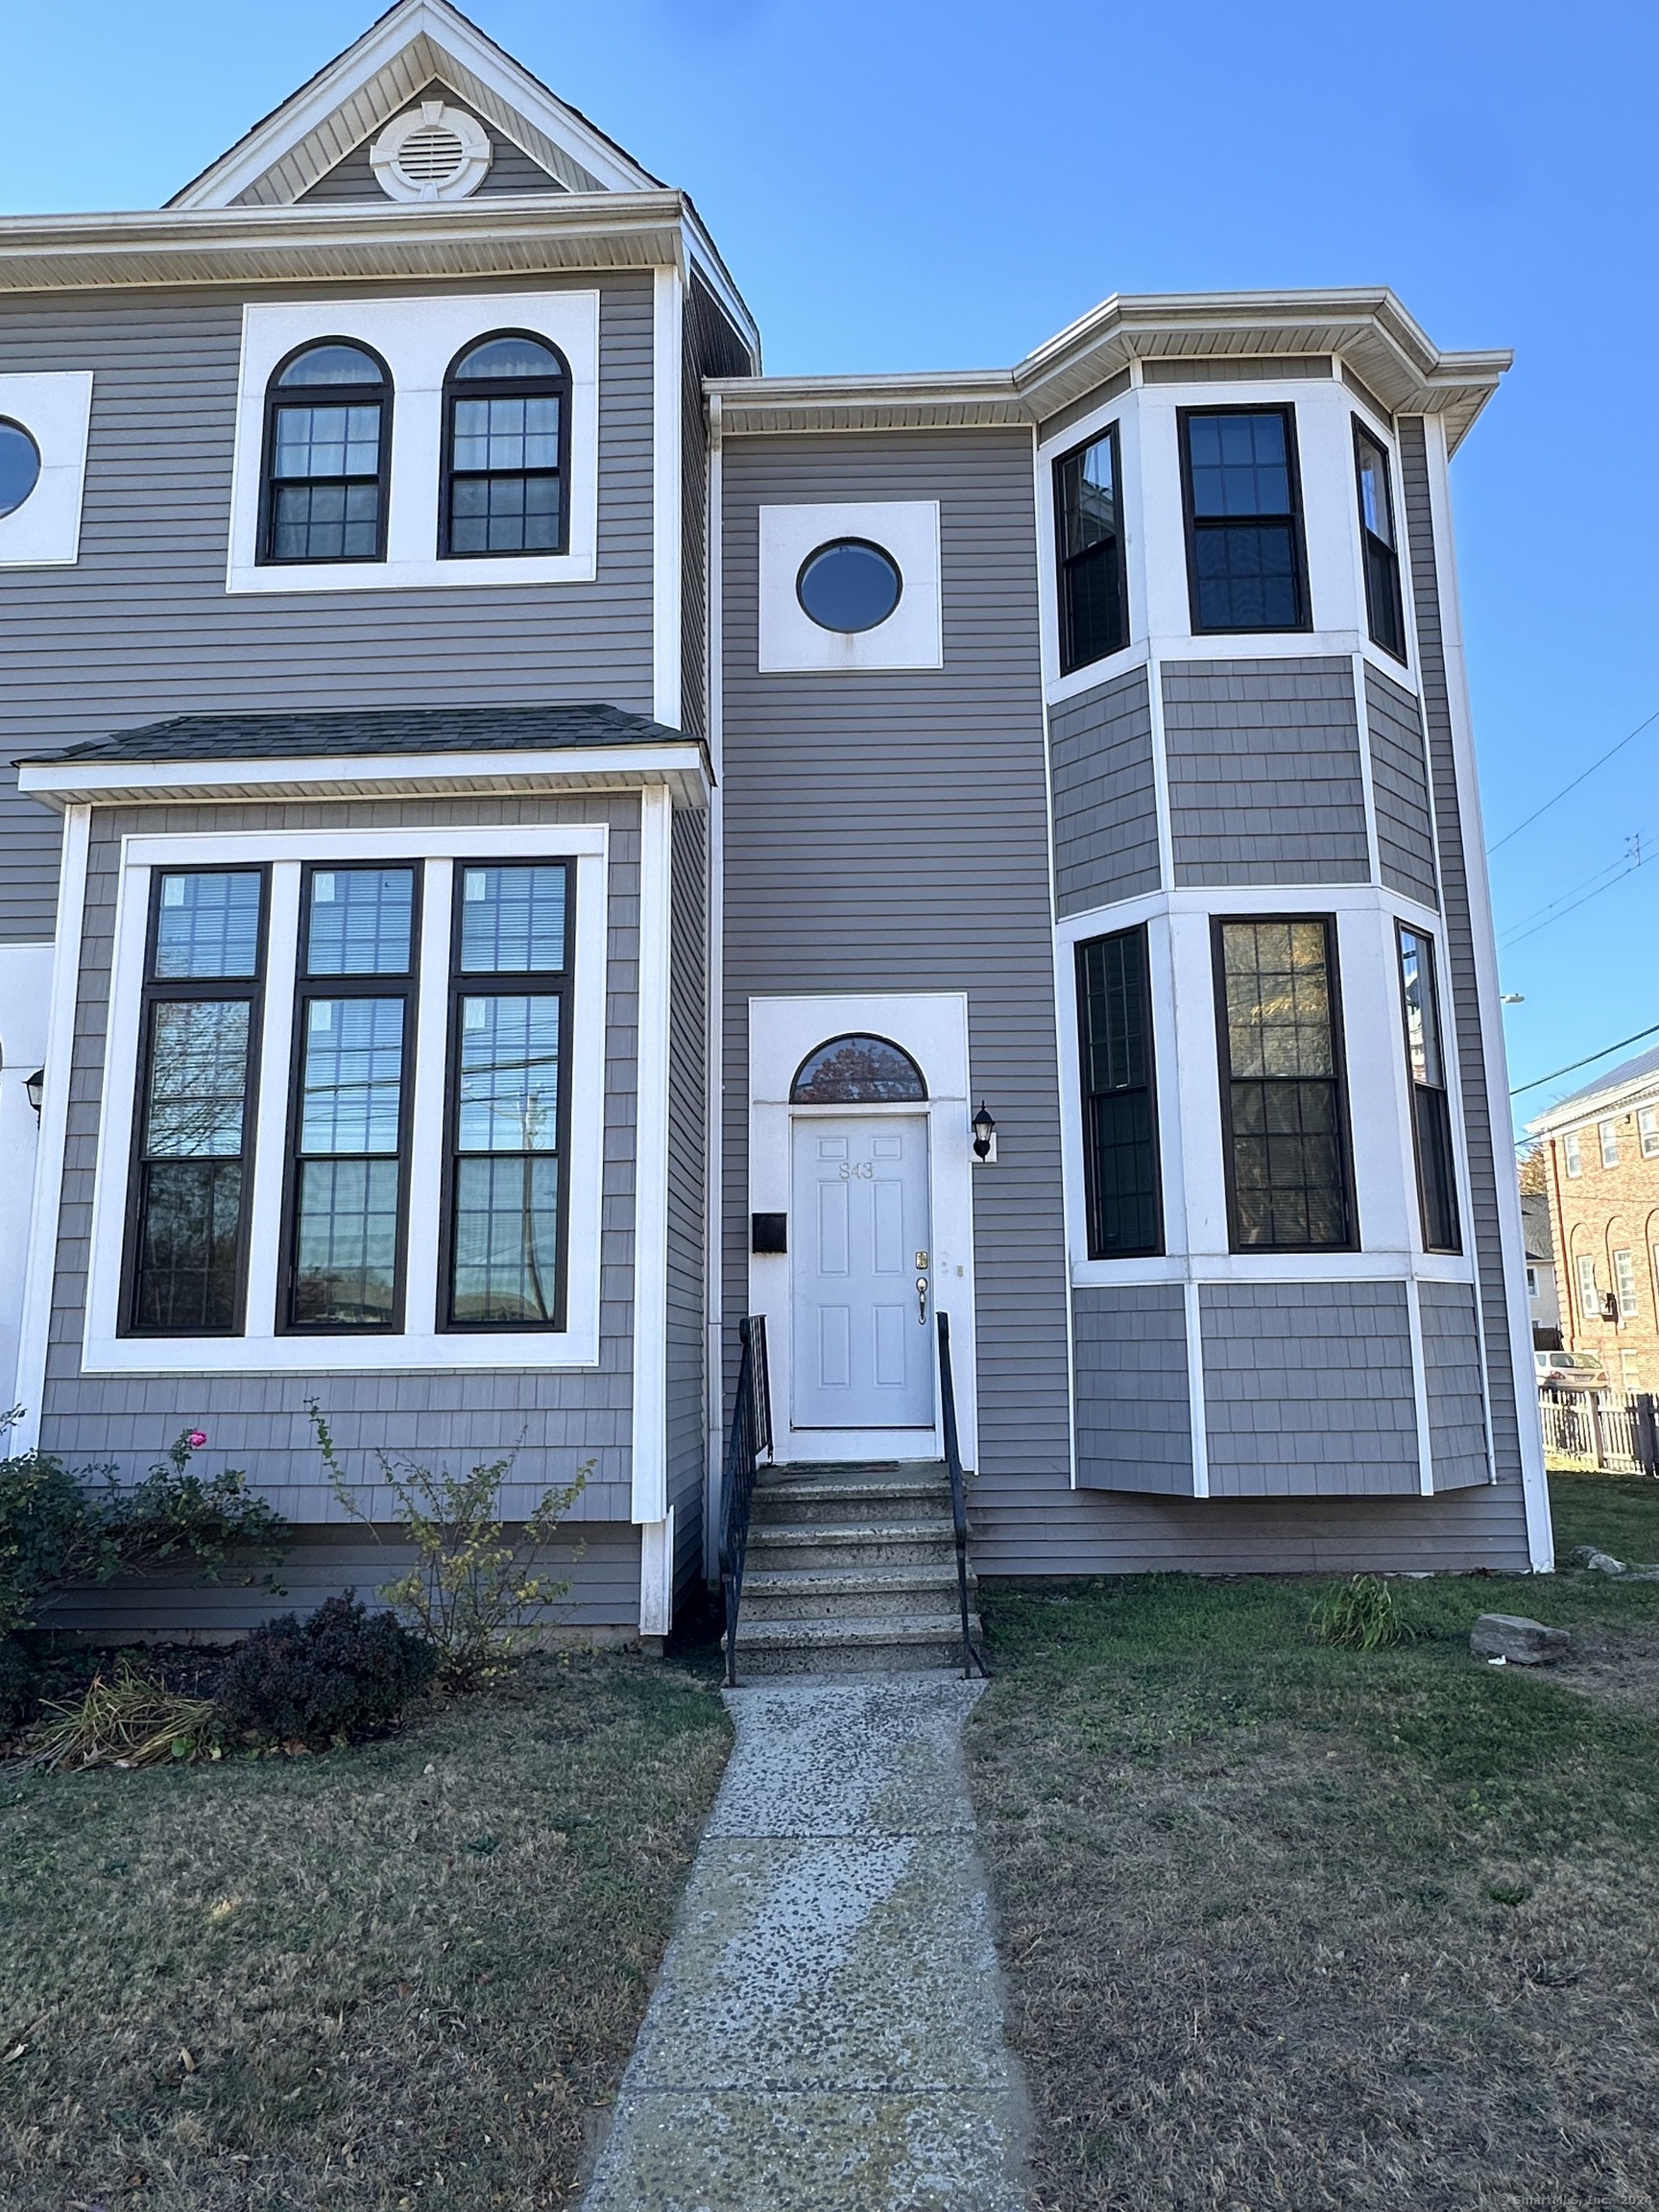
<point x="417" y="339"/>
<point x="421" y="1346"/>
<point x="35" y="1334"/>
<point x="668" y="323"/>
<point x="1512" y="1241"/>
<point x="55" y="407"/>
<point x="1420" y="1387"/>
<point x="912" y="637"/>
<point x="657" y="1576"/>
<point x="650" y="1427"/>
<point x="1196" y="1413"/>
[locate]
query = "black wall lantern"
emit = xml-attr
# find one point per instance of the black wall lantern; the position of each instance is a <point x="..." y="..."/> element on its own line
<point x="35" y="1090"/>
<point x="984" y="1135"/>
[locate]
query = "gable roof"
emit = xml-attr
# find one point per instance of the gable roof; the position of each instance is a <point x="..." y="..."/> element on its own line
<point x="1633" y="1077"/>
<point x="414" y="44"/>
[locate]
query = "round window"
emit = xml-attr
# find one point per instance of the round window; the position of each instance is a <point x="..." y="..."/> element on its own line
<point x="848" y="585"/>
<point x="19" y="466"/>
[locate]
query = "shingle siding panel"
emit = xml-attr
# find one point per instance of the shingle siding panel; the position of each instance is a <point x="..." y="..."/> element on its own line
<point x="1265" y="781"/>
<point x="556" y="1421"/>
<point x="1104" y="797"/>
<point x="1134" y="1409"/>
<point x="1308" y="1389"/>
<point x="1400" y="789"/>
<point x="1451" y="1371"/>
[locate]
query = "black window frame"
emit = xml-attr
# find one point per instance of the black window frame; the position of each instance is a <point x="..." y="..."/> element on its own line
<point x="456" y="387"/>
<point x="1068" y="564"/>
<point x="1379" y="560"/>
<point x="1338" y="1079"/>
<point x="1193" y="524"/>
<point x="1093" y="1195"/>
<point x="307" y="987"/>
<point x="381" y="395"/>
<point x="1431" y="1141"/>
<point x="175" y="990"/>
<point x="512" y="982"/>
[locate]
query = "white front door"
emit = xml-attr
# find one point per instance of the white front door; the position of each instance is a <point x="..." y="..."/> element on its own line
<point x="862" y="1337"/>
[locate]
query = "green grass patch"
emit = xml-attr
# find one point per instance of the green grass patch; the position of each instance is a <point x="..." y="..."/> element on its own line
<point x="1288" y="1925"/>
<point x="398" y="1976"/>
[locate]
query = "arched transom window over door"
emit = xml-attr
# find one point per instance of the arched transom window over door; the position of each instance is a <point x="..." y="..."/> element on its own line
<point x="857" y="1071"/>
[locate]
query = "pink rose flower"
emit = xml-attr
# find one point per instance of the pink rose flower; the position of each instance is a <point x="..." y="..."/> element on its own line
<point x="196" y="1439"/>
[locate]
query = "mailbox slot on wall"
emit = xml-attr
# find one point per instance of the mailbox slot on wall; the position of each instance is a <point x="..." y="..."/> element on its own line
<point x="768" y="1232"/>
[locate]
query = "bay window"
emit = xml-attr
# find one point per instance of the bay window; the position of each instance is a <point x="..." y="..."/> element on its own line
<point x="1119" y="1120"/>
<point x="1431" y="1107"/>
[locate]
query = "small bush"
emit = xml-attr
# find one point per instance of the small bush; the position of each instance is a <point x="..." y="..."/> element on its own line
<point x="1363" y="1615"/>
<point x="339" y="1674"/>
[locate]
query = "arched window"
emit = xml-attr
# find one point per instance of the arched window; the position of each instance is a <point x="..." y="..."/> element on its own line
<point x="506" y="433"/>
<point x="857" y="1071"/>
<point x="327" y="447"/>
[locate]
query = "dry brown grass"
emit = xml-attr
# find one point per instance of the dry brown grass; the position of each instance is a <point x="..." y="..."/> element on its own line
<point x="395" y="1976"/>
<point x="1293" y="1928"/>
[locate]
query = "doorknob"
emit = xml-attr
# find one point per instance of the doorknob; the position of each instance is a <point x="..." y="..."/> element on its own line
<point x="921" y="1300"/>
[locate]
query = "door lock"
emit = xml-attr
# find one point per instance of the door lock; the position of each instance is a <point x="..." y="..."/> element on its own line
<point x="921" y="1300"/>
<point x="921" y="1258"/>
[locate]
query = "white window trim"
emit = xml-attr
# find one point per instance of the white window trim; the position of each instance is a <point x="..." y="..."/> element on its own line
<point x="912" y="636"/>
<point x="416" y="339"/>
<point x="54" y="406"/>
<point x="1624" y="1281"/>
<point x="1607" y="1135"/>
<point x="420" y="1345"/>
<point x="1648" y="1131"/>
<point x="1573" y="1153"/>
<point x="1589" y="1291"/>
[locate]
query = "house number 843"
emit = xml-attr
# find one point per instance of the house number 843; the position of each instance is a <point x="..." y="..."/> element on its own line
<point x="862" y="1169"/>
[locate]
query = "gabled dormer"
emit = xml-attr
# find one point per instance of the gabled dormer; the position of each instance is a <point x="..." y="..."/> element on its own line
<point x="422" y="107"/>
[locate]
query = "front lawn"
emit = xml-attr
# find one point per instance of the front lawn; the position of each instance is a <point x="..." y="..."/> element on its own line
<point x="1291" y="1927"/>
<point x="406" y="1975"/>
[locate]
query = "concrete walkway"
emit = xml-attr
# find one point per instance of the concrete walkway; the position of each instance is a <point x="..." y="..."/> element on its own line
<point x="827" y="2033"/>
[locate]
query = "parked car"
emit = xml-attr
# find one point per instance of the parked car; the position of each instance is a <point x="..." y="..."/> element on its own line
<point x="1572" y="1370"/>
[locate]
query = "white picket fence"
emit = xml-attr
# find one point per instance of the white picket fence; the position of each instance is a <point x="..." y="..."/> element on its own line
<point x="1613" y="1432"/>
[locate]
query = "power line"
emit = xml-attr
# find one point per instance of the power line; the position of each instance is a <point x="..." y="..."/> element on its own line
<point x="1614" y="869"/>
<point x="1573" y="1066"/>
<point x="1521" y="935"/>
<point x="1573" y="785"/>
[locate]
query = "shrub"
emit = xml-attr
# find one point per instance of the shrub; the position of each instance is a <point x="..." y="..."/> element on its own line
<point x="473" y="1592"/>
<point x="57" y="1529"/>
<point x="338" y="1675"/>
<point x="1363" y="1615"/>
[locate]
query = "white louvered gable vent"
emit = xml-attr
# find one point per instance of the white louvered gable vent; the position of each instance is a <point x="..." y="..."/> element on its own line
<point x="431" y="152"/>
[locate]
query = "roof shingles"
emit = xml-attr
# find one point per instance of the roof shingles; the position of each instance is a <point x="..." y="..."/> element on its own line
<point x="359" y="733"/>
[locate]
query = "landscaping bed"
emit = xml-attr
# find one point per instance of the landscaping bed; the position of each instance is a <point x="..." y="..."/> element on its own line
<point x="1288" y="1926"/>
<point x="403" y="1974"/>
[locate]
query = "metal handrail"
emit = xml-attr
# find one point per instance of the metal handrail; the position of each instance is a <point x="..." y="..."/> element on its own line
<point x="751" y="1436"/>
<point x="972" y="1659"/>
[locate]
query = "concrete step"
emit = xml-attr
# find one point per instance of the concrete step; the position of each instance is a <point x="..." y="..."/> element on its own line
<point x="829" y="1543"/>
<point x="857" y="1644"/>
<point x="819" y="1593"/>
<point x="849" y="1494"/>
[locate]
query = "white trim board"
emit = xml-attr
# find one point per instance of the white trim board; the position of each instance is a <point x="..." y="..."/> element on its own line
<point x="417" y="339"/>
<point x="420" y="1345"/>
<point x="55" y="407"/>
<point x="650" y="1437"/>
<point x="932" y="1027"/>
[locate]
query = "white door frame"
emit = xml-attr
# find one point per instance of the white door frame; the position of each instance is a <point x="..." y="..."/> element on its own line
<point x="932" y="1027"/>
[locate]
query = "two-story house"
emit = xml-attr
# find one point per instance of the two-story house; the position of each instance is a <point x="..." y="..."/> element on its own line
<point x="533" y="840"/>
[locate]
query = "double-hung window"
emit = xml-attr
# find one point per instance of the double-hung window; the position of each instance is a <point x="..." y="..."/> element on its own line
<point x="1608" y="1137"/>
<point x="1284" y="1109"/>
<point x="1245" y="563"/>
<point x="1624" y="1283"/>
<point x="1119" y="1112"/>
<point x="1384" y="609"/>
<point x="1589" y="1296"/>
<point x="509" y="1020"/>
<point x="1648" y="1131"/>
<point x="1572" y="1153"/>
<point x="327" y="456"/>
<point x="506" y="426"/>
<point x="355" y="1035"/>
<point x="1430" y="1106"/>
<point x="1093" y="609"/>
<point x="199" y="1026"/>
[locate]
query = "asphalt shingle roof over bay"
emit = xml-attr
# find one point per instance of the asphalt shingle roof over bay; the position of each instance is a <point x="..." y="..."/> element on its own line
<point x="362" y="731"/>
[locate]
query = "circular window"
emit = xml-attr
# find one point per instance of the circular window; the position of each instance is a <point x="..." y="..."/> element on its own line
<point x="19" y="466"/>
<point x="848" y="585"/>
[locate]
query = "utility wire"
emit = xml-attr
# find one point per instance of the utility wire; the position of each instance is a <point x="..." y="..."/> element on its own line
<point x="1573" y="785"/>
<point x="1573" y="1066"/>
<point x="1520" y="934"/>
<point x="1614" y="870"/>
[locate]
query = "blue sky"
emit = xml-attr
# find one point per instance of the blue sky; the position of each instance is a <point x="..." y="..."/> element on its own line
<point x="905" y="186"/>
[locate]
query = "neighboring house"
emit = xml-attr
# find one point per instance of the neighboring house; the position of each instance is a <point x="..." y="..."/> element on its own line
<point x="533" y="840"/>
<point x="1542" y="1298"/>
<point x="1601" y="1148"/>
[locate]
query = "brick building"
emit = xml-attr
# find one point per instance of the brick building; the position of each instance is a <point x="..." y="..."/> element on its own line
<point x="1601" y="1175"/>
